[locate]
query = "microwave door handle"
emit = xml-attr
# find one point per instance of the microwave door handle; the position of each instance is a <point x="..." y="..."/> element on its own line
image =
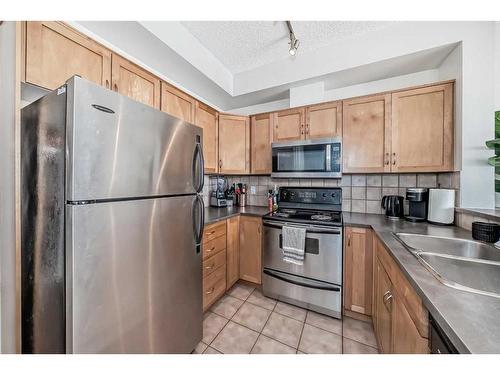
<point x="328" y="157"/>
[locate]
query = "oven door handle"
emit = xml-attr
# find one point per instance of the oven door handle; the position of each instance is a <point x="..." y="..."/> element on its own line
<point x="310" y="227"/>
<point x="294" y="280"/>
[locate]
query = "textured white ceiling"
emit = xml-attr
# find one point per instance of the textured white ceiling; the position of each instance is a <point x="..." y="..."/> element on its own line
<point x="245" y="45"/>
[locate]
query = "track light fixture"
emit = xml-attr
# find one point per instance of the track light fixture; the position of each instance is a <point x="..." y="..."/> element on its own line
<point x="294" y="42"/>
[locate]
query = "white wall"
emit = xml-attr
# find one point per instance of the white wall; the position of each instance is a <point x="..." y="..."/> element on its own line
<point x="497" y="66"/>
<point x="388" y="84"/>
<point x="8" y="300"/>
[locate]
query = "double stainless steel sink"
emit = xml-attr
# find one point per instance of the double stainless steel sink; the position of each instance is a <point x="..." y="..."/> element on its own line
<point x="463" y="264"/>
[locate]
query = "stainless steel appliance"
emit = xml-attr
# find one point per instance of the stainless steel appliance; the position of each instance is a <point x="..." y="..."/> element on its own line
<point x="317" y="284"/>
<point x="313" y="158"/>
<point x="218" y="195"/>
<point x="417" y="198"/>
<point x="393" y="205"/>
<point x="111" y="225"/>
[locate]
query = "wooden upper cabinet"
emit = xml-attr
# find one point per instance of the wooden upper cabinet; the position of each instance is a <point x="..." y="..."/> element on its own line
<point x="324" y="120"/>
<point x="422" y="129"/>
<point x="366" y="130"/>
<point x="289" y="125"/>
<point x="136" y="83"/>
<point x="207" y="119"/>
<point x="55" y="52"/>
<point x="358" y="270"/>
<point x="234" y="144"/>
<point x="177" y="103"/>
<point x="251" y="249"/>
<point x="261" y="137"/>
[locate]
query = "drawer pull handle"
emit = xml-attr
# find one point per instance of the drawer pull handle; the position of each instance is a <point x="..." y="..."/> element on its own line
<point x="212" y="232"/>
<point x="210" y="291"/>
<point x="211" y="249"/>
<point x="209" y="267"/>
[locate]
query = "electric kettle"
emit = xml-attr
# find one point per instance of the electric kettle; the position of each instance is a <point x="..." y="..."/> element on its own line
<point x="393" y="205"/>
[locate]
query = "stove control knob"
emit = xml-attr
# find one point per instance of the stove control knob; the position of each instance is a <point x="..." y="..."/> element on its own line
<point x="324" y="195"/>
<point x="333" y="195"/>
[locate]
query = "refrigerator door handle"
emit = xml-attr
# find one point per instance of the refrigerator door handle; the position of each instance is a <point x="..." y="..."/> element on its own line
<point x="198" y="166"/>
<point x="198" y="220"/>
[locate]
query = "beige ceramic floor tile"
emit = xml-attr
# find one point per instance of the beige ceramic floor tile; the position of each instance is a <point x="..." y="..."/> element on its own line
<point x="227" y="306"/>
<point x="211" y="350"/>
<point x="317" y="341"/>
<point x="283" y="329"/>
<point x="257" y="298"/>
<point x="252" y="316"/>
<point x="291" y="311"/>
<point x="200" y="348"/>
<point x="235" y="339"/>
<point x="241" y="291"/>
<point x="212" y="325"/>
<point x="266" y="345"/>
<point x="324" y="322"/>
<point x="354" y="347"/>
<point x="359" y="331"/>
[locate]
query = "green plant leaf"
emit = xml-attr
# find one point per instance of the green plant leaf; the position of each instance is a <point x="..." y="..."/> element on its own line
<point x="492" y="143"/>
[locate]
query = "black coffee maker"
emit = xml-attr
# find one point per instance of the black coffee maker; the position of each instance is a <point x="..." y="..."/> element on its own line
<point x="418" y="198"/>
<point x="393" y="205"/>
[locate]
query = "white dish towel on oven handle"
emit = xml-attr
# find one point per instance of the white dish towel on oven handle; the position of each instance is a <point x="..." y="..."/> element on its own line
<point x="294" y="244"/>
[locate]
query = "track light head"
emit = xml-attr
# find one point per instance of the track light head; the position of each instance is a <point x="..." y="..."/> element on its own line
<point x="294" y="42"/>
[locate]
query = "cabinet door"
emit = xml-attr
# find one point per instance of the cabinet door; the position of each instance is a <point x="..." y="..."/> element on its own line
<point x="324" y="120"/>
<point x="366" y="132"/>
<point x="130" y="80"/>
<point x="251" y="249"/>
<point x="289" y="125"/>
<point x="55" y="52"/>
<point x="261" y="139"/>
<point x="358" y="270"/>
<point x="233" y="251"/>
<point x="383" y="305"/>
<point x="176" y="103"/>
<point x="422" y="129"/>
<point x="207" y="119"/>
<point x="234" y="144"/>
<point x="405" y="336"/>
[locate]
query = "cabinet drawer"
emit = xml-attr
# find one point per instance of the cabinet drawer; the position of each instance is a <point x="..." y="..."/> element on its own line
<point x="213" y="247"/>
<point x="211" y="263"/>
<point x="214" y="286"/>
<point x="213" y="231"/>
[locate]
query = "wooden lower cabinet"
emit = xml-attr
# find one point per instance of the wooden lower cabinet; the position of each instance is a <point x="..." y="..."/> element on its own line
<point x="251" y="249"/>
<point x="358" y="270"/>
<point x="399" y="317"/>
<point x="214" y="263"/>
<point x="232" y="251"/>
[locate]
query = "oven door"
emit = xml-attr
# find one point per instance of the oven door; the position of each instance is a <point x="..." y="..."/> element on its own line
<point x="309" y="159"/>
<point x="323" y="252"/>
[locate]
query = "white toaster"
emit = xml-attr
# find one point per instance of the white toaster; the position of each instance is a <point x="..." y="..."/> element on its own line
<point x="441" y="206"/>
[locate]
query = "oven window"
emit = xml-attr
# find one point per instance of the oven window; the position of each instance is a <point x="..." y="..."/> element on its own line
<point x="311" y="158"/>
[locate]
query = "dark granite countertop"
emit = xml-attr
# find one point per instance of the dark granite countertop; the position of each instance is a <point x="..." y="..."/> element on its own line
<point x="471" y="321"/>
<point x="214" y="214"/>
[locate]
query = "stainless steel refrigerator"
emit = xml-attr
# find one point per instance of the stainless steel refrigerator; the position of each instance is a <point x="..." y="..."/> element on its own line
<point x="112" y="222"/>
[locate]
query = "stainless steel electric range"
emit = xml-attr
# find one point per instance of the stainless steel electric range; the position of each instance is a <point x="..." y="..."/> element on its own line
<point x="317" y="284"/>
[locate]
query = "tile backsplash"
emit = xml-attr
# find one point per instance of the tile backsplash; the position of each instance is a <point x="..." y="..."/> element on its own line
<point x="360" y="192"/>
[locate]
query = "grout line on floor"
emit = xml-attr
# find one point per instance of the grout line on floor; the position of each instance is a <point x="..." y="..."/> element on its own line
<point x="301" y="332"/>
<point x="264" y="326"/>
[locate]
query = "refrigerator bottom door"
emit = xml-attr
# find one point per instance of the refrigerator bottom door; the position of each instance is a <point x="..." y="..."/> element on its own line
<point x="133" y="277"/>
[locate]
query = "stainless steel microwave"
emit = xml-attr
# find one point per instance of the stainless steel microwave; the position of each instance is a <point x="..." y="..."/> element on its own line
<point x="313" y="158"/>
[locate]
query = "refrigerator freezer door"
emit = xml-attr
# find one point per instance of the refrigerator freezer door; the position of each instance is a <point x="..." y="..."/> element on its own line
<point x="133" y="274"/>
<point x="119" y="148"/>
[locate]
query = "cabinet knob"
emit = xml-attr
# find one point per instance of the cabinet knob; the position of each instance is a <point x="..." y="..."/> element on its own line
<point x="115" y="87"/>
<point x="393" y="158"/>
<point x="386" y="158"/>
<point x="210" y="291"/>
<point x="107" y="84"/>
